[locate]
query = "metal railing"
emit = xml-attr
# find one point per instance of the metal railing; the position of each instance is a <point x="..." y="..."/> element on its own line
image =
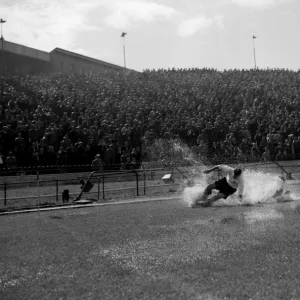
<point x="107" y="186"/>
<point x="28" y="191"/>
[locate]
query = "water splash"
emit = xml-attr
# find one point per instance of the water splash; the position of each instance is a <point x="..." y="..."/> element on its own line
<point x="174" y="151"/>
<point x="183" y="152"/>
<point x="259" y="187"/>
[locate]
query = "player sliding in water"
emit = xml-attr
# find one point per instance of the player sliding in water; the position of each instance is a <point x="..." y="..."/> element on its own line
<point x="226" y="186"/>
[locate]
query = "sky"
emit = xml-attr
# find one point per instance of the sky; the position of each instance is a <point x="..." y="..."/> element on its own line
<point x="162" y="34"/>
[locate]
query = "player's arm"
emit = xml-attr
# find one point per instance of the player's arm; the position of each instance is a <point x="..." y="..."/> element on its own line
<point x="223" y="168"/>
<point x="216" y="168"/>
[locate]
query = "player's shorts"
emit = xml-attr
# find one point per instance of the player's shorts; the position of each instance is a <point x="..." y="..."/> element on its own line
<point x="224" y="188"/>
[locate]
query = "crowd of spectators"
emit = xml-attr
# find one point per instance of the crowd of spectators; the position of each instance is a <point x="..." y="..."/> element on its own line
<point x="111" y="120"/>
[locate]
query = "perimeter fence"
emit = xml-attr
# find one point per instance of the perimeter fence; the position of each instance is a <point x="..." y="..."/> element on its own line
<point x="43" y="189"/>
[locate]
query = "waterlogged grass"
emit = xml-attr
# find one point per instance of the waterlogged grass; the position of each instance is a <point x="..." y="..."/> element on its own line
<point x="160" y="250"/>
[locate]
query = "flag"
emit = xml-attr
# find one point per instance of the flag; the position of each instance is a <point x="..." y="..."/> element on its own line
<point x="123" y="34"/>
<point x="254" y="37"/>
<point x="2" y="21"/>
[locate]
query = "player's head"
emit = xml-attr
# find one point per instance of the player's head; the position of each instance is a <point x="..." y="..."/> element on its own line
<point x="237" y="172"/>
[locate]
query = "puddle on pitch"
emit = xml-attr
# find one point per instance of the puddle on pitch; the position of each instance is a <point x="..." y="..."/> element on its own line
<point x="262" y="215"/>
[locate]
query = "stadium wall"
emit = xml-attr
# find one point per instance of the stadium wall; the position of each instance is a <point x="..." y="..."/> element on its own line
<point x="18" y="59"/>
<point x="26" y="51"/>
<point x="72" y="63"/>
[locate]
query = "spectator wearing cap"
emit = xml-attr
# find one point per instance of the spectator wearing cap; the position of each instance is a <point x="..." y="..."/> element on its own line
<point x="65" y="143"/>
<point x="123" y="160"/>
<point x="62" y="157"/>
<point x="109" y="157"/>
<point x="262" y="142"/>
<point x="50" y="157"/>
<point x="42" y="158"/>
<point x="8" y="139"/>
<point x="2" y="162"/>
<point x="52" y="138"/>
<point x="255" y="152"/>
<point x="73" y="133"/>
<point x="72" y="156"/>
<point x="135" y="158"/>
<point x="45" y="142"/>
<point x="11" y="161"/>
<point x="288" y="144"/>
<point x="88" y="155"/>
<point x="20" y="149"/>
<point x="280" y="155"/>
<point x="98" y="163"/>
<point x="245" y="148"/>
<point x="296" y="147"/>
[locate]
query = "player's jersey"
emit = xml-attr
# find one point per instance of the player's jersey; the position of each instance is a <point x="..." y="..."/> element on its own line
<point x="236" y="183"/>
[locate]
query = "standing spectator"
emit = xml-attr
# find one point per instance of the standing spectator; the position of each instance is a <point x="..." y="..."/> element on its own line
<point x="88" y="154"/>
<point x="11" y="160"/>
<point x="62" y="157"/>
<point x="42" y="157"/>
<point x="97" y="163"/>
<point x="296" y="147"/>
<point x="34" y="157"/>
<point x="280" y="155"/>
<point x="19" y="149"/>
<point x="65" y="143"/>
<point x="51" y="158"/>
<point x="255" y="153"/>
<point x="109" y="157"/>
<point x="123" y="160"/>
<point x="45" y="142"/>
<point x="2" y="162"/>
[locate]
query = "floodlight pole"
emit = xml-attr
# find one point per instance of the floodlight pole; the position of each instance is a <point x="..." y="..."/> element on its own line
<point x="254" y="52"/>
<point x="2" y="59"/>
<point x="124" y="52"/>
<point x="2" y="64"/>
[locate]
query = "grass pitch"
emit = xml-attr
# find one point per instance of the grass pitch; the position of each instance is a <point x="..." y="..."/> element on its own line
<point x="153" y="250"/>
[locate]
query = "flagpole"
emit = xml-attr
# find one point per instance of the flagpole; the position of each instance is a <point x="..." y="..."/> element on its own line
<point x="253" y="38"/>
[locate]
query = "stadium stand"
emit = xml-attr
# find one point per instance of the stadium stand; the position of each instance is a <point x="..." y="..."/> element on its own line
<point x="113" y="119"/>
